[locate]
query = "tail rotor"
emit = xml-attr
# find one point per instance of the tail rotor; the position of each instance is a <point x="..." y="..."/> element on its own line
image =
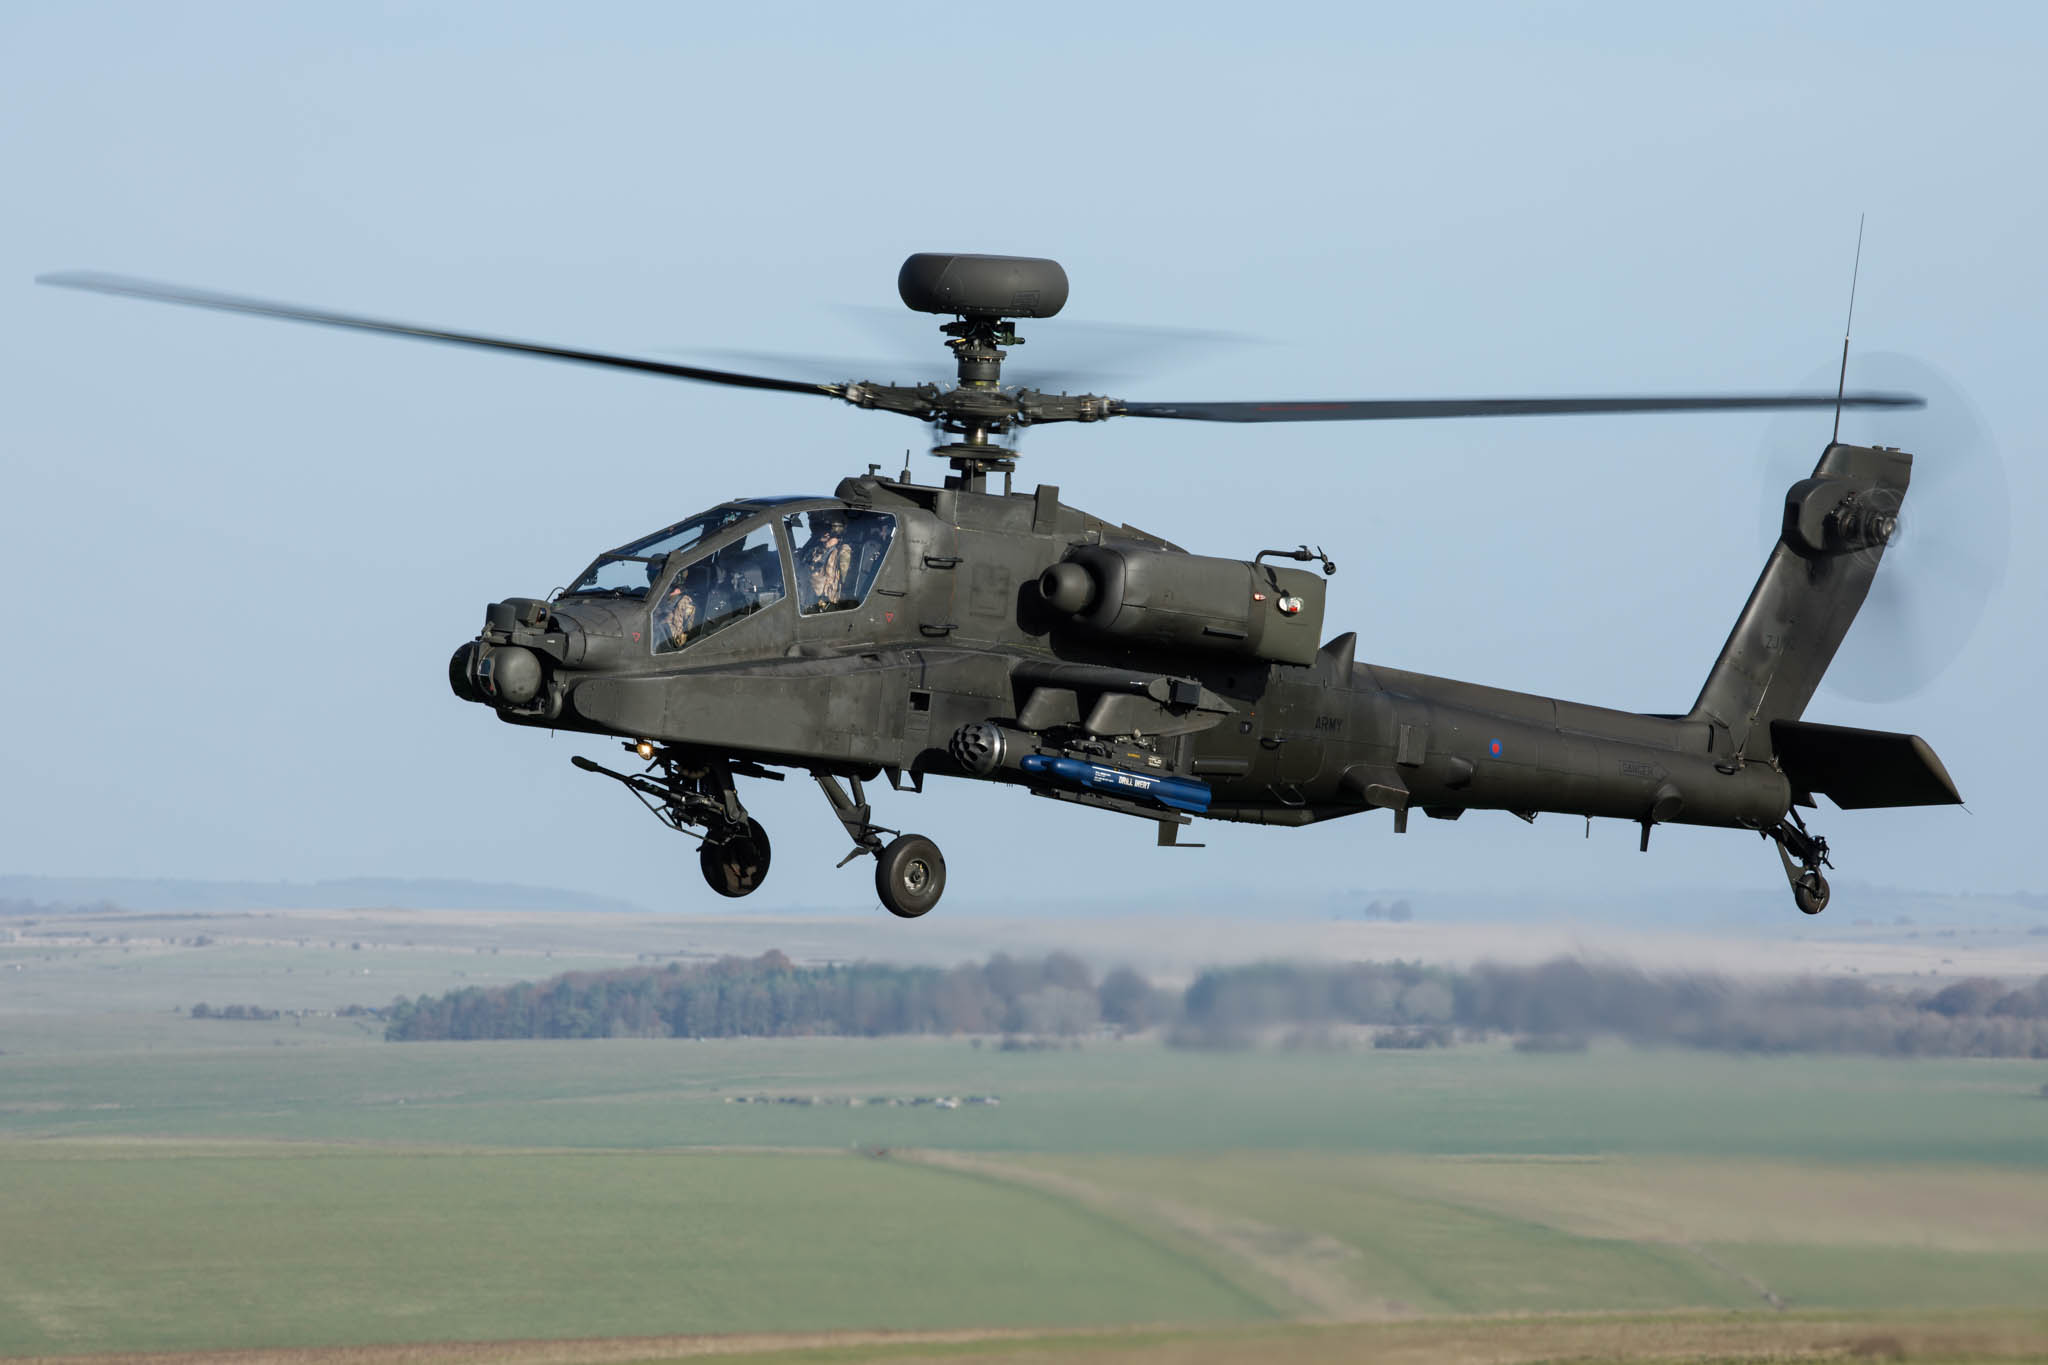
<point x="1945" y="558"/>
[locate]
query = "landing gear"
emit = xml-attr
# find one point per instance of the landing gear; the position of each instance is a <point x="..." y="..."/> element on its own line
<point x="910" y="876"/>
<point x="1809" y="888"/>
<point x="689" y="792"/>
<point x="735" y="860"/>
<point x="853" y="812"/>
<point x="910" y="873"/>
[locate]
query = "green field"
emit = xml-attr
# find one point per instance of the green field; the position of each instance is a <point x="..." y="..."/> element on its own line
<point x="112" y="1248"/>
<point x="177" y="1184"/>
<point x="1492" y="1235"/>
<point x="345" y="1193"/>
<point x="1135" y="1097"/>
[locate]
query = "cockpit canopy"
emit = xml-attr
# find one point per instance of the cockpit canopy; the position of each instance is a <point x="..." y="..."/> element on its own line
<point x="631" y="569"/>
<point x="834" y="554"/>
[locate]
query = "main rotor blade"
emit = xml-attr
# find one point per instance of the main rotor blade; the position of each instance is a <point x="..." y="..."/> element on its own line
<point x="1401" y="409"/>
<point x="932" y="369"/>
<point x="1071" y="345"/>
<point x="235" y="303"/>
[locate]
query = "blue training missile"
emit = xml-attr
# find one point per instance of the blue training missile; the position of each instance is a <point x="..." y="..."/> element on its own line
<point x="1179" y="793"/>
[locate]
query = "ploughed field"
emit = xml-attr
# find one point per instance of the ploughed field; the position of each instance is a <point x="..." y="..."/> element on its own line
<point x="204" y="1185"/>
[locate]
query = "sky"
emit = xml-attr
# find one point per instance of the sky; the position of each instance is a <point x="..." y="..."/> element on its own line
<point x="242" y="551"/>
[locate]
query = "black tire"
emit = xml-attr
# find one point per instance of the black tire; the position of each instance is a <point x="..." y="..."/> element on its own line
<point x="1810" y="893"/>
<point x="910" y="876"/>
<point x="736" y="863"/>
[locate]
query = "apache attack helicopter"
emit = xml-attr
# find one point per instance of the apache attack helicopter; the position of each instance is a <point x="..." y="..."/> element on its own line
<point x="910" y="630"/>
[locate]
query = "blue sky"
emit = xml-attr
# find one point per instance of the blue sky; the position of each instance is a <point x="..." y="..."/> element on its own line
<point x="243" y="551"/>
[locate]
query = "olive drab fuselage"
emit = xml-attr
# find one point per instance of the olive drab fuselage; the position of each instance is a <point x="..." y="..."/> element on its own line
<point x="957" y="630"/>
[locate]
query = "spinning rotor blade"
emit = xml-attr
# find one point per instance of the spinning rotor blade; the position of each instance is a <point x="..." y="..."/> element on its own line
<point x="235" y="303"/>
<point x="929" y="370"/>
<point x="1017" y="404"/>
<point x="1948" y="556"/>
<point x="1075" y="352"/>
<point x="1402" y="409"/>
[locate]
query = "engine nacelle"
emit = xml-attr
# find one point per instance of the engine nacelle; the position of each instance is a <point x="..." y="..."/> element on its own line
<point x="1167" y="600"/>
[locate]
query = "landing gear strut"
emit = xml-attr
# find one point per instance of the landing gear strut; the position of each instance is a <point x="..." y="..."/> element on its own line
<point x="1809" y="887"/>
<point x="689" y="792"/>
<point x="910" y="872"/>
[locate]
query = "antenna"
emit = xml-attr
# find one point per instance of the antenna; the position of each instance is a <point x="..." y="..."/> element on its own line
<point x="1842" y="379"/>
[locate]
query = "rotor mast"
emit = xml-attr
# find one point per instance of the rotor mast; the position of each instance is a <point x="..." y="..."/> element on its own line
<point x="983" y="293"/>
<point x="978" y="344"/>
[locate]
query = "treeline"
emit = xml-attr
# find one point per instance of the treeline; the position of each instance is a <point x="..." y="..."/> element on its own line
<point x="1562" y="1003"/>
<point x="770" y="997"/>
<point x="1555" y="1006"/>
<point x="202" y="1010"/>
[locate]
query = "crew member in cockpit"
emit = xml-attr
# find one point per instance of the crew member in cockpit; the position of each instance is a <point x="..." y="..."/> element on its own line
<point x="678" y="612"/>
<point x="826" y="563"/>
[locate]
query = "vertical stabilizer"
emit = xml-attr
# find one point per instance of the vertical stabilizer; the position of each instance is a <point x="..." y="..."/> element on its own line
<point x="1835" y="528"/>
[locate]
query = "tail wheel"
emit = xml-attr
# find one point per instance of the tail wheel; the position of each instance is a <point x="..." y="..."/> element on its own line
<point x="910" y="876"/>
<point x="736" y="862"/>
<point x="1810" y="893"/>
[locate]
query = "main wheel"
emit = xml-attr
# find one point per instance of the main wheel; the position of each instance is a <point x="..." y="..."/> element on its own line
<point x="735" y="863"/>
<point x="1810" y="893"/>
<point x="910" y="876"/>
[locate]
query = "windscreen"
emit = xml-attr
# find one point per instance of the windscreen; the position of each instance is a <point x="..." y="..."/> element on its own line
<point x="838" y="552"/>
<point x="628" y="570"/>
<point x="708" y="594"/>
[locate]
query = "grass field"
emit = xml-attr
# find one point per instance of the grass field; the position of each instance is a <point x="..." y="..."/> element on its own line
<point x="338" y="1194"/>
<point x="199" y="1185"/>
<point x="1132" y="1097"/>
<point x="167" y="1247"/>
<point x="124" y="1246"/>
<point x="1504" y="1235"/>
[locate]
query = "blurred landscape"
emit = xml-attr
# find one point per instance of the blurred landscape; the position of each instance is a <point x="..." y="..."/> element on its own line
<point x="319" y="1132"/>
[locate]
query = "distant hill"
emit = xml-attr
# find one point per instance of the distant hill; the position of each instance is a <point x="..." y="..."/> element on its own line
<point x="1710" y="909"/>
<point x="56" y="894"/>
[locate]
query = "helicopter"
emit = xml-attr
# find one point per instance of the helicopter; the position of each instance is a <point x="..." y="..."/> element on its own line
<point x="899" y="630"/>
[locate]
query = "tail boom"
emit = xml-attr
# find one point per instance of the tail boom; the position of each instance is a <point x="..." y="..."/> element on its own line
<point x="1831" y="539"/>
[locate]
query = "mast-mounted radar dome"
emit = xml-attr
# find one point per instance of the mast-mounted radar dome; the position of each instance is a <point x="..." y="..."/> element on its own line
<point x="982" y="286"/>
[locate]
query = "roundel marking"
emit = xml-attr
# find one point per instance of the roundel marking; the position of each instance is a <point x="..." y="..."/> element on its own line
<point x="1494" y="748"/>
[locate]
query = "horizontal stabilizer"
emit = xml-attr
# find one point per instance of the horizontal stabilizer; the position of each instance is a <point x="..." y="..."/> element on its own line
<point x="1862" y="769"/>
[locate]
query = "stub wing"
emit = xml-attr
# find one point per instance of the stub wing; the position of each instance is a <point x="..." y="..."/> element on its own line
<point x="1862" y="769"/>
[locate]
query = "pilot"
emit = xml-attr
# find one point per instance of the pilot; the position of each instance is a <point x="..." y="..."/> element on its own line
<point x="677" y="614"/>
<point x="826" y="563"/>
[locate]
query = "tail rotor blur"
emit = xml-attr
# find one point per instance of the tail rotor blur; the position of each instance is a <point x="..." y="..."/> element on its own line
<point x="1947" y="556"/>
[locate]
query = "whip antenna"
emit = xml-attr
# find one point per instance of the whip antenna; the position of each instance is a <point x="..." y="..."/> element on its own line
<point x="1842" y="379"/>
